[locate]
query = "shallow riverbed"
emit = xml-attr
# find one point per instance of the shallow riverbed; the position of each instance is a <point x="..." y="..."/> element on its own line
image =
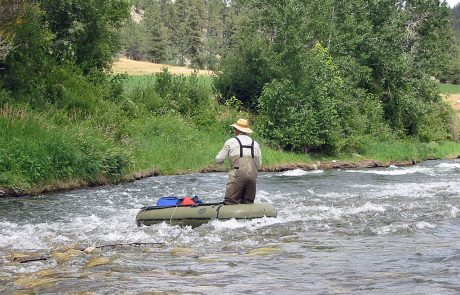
<point x="387" y="230"/>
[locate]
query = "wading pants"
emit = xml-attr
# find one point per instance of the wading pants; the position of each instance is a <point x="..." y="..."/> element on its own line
<point x="241" y="184"/>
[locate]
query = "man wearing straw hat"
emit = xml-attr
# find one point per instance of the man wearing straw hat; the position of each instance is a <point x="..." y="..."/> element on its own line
<point x="245" y="156"/>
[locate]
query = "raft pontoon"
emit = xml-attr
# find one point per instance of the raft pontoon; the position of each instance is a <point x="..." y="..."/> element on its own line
<point x="197" y="215"/>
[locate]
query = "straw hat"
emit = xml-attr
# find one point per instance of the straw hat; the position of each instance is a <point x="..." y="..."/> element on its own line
<point x="242" y="125"/>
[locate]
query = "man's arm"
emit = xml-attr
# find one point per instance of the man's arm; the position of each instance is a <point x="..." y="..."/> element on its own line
<point x="223" y="154"/>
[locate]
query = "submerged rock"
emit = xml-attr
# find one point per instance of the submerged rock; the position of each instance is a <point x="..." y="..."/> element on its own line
<point x="62" y="257"/>
<point x="33" y="282"/>
<point x="263" y="251"/>
<point x="96" y="261"/>
<point x="178" y="251"/>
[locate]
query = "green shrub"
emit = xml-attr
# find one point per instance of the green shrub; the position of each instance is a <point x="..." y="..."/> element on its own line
<point x="168" y="93"/>
<point x="245" y="71"/>
<point x="303" y="116"/>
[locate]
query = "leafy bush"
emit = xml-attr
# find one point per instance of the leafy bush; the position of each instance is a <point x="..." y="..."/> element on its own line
<point x="302" y="116"/>
<point x="245" y="71"/>
<point x="168" y="93"/>
<point x="419" y="112"/>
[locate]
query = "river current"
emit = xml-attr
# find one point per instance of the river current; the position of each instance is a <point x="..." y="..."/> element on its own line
<point x="361" y="231"/>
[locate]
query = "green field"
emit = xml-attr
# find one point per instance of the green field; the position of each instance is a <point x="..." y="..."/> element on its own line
<point x="449" y="88"/>
<point x="141" y="81"/>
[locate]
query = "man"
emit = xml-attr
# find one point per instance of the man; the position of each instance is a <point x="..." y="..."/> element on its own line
<point x="245" y="156"/>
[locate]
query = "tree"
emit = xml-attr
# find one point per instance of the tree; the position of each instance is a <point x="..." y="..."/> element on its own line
<point x="134" y="40"/>
<point x="86" y="31"/>
<point x="302" y="115"/>
<point x="10" y="11"/>
<point x="157" y="33"/>
<point x="61" y="51"/>
<point x="213" y="33"/>
<point x="385" y="53"/>
<point x="180" y="33"/>
<point x="195" y="29"/>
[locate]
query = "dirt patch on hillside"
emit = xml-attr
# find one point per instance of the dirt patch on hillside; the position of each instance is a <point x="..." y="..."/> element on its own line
<point x="134" y="67"/>
<point x="454" y="100"/>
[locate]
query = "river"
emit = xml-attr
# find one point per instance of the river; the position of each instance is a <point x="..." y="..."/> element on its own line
<point x="361" y="231"/>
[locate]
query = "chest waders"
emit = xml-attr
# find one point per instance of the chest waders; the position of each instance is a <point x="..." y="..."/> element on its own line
<point x="241" y="184"/>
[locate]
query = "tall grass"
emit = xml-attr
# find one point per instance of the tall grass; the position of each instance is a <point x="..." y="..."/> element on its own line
<point x="172" y="144"/>
<point x="35" y="152"/>
<point x="142" y="81"/>
<point x="407" y="150"/>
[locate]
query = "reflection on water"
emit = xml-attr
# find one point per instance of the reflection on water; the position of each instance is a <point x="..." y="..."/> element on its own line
<point x="340" y="231"/>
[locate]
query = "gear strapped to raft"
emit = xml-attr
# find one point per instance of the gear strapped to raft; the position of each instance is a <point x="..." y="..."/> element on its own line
<point x="246" y="146"/>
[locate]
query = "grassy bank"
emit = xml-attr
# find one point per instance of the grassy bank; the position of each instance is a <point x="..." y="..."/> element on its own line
<point x="41" y="156"/>
<point x="168" y="127"/>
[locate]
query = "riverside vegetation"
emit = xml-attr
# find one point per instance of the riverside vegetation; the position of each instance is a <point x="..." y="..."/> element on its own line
<point x="65" y="122"/>
<point x="148" y="132"/>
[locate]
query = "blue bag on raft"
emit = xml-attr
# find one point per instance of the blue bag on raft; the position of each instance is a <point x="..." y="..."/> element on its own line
<point x="168" y="201"/>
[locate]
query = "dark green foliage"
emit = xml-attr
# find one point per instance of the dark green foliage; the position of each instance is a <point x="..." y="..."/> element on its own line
<point x="195" y="50"/>
<point x="384" y="55"/>
<point x="134" y="41"/>
<point x="168" y="93"/>
<point x="37" y="74"/>
<point x="245" y="71"/>
<point x="30" y="60"/>
<point x="302" y="116"/>
<point x="157" y="46"/>
<point x="85" y="31"/>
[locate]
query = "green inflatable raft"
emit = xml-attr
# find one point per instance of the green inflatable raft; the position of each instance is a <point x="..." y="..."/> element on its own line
<point x="197" y="215"/>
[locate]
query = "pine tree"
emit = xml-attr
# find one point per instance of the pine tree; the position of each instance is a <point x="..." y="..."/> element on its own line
<point x="180" y="33"/>
<point x="157" y="34"/>
<point x="213" y="32"/>
<point x="195" y="28"/>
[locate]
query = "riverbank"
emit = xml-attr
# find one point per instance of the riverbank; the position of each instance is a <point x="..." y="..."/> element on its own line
<point x="172" y="125"/>
<point x="318" y="165"/>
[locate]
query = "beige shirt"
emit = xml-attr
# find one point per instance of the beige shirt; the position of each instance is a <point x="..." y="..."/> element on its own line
<point x="231" y="149"/>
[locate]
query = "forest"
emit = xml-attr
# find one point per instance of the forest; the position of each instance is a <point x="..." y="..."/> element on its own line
<point x="316" y="78"/>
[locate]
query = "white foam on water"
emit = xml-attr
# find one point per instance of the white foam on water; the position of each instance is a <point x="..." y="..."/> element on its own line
<point x="263" y="196"/>
<point x="403" y="228"/>
<point x="108" y="224"/>
<point x="90" y="230"/>
<point x="10" y="237"/>
<point x="335" y="195"/>
<point x="448" y="166"/>
<point x="453" y="211"/>
<point x="393" y="228"/>
<point x="415" y="190"/>
<point x="300" y="172"/>
<point x="303" y="213"/>
<point x="423" y="225"/>
<point x="396" y="172"/>
<point x="249" y="224"/>
<point x="368" y="207"/>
